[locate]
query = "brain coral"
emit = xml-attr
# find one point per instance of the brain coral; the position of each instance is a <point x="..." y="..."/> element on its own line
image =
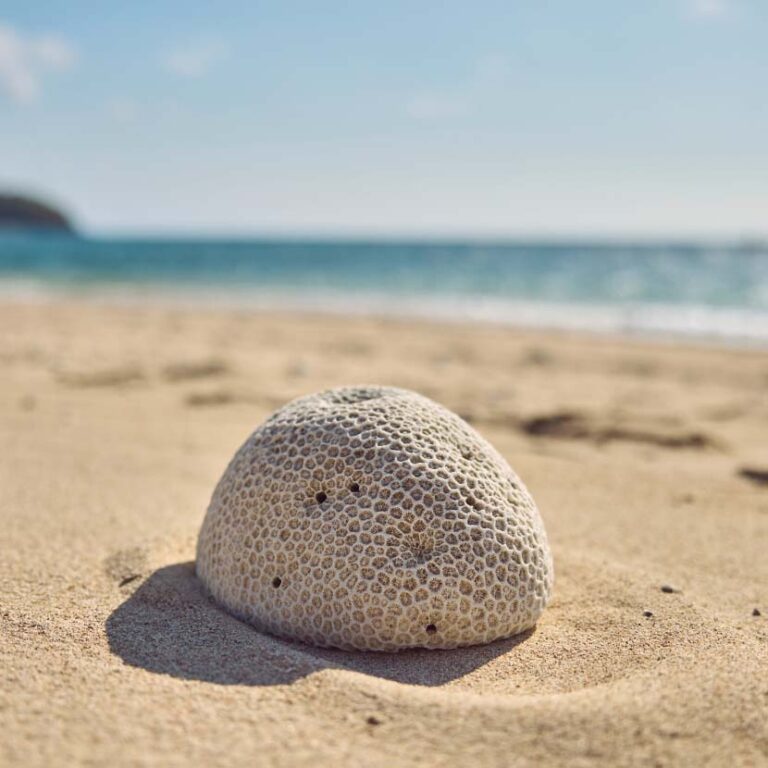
<point x="373" y="518"/>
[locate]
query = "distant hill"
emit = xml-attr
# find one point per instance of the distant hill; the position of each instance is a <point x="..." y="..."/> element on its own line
<point x="18" y="212"/>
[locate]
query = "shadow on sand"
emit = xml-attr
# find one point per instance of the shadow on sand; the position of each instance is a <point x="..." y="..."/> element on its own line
<point x="170" y="626"/>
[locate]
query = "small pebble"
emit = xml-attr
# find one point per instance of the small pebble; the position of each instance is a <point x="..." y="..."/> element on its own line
<point x="756" y="612"/>
<point x="669" y="589"/>
<point x="373" y="720"/>
<point x="648" y="614"/>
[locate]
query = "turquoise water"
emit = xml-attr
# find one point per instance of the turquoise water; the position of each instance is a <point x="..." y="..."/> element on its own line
<point x="690" y="289"/>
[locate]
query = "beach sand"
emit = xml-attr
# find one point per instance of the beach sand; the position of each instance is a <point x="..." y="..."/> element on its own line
<point x="645" y="461"/>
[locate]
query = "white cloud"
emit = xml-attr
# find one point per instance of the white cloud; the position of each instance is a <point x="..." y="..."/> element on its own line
<point x="26" y="60"/>
<point x="708" y="9"/>
<point x="194" y="60"/>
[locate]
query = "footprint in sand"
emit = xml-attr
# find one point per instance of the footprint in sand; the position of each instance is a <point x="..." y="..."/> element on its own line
<point x="573" y="425"/>
<point x="105" y="377"/>
<point x="754" y="475"/>
<point x="191" y="370"/>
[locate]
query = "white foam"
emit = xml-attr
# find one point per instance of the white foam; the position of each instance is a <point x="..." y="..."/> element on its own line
<point x="666" y="321"/>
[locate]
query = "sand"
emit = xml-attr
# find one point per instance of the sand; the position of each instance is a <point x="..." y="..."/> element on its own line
<point x="646" y="462"/>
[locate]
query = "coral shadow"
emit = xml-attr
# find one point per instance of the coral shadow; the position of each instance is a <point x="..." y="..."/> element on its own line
<point x="170" y="626"/>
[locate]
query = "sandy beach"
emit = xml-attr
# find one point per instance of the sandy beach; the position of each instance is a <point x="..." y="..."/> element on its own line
<point x="649" y="463"/>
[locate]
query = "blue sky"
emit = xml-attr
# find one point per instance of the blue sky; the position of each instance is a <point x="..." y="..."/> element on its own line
<point x="555" y="118"/>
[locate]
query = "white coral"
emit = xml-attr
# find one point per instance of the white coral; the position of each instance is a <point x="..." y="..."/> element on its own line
<point x="373" y="518"/>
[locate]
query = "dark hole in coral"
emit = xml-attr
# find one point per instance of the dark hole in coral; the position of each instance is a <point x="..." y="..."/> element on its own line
<point x="277" y="581"/>
<point x="321" y="497"/>
<point x="431" y="629"/>
<point x="354" y="487"/>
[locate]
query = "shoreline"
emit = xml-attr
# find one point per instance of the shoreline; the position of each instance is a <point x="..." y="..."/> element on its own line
<point x="657" y="324"/>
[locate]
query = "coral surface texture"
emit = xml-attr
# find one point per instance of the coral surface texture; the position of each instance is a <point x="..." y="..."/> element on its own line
<point x="373" y="518"/>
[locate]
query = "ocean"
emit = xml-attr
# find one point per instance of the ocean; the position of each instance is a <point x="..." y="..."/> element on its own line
<point x="705" y="291"/>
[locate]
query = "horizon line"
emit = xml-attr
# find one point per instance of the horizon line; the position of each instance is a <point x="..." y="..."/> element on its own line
<point x="741" y="239"/>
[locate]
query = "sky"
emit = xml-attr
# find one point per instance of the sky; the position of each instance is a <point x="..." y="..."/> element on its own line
<point x="530" y="118"/>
